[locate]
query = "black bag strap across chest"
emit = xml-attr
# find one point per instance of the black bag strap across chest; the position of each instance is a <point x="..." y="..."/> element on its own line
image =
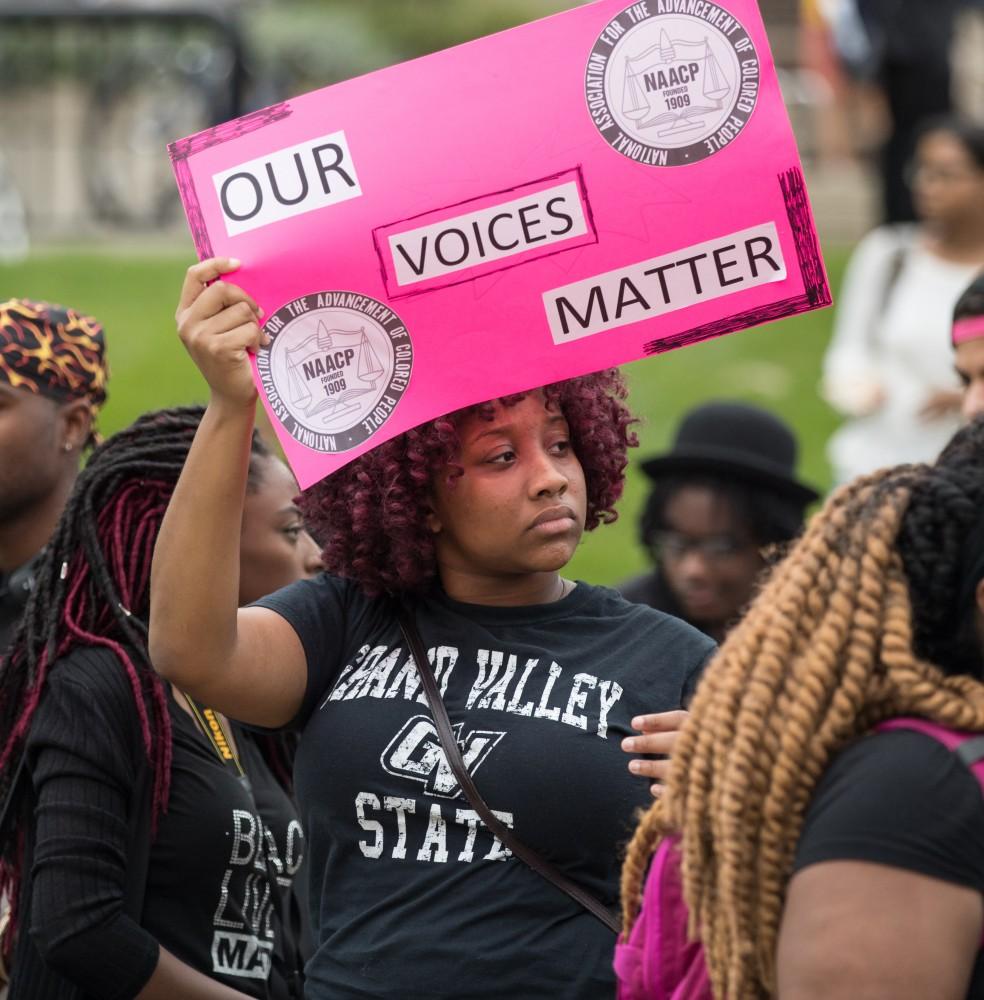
<point x="452" y="752"/>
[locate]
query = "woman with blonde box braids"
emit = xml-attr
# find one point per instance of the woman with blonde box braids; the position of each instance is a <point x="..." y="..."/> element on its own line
<point x="819" y="859"/>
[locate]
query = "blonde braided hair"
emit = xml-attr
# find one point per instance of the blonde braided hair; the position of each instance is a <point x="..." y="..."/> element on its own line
<point x="824" y="653"/>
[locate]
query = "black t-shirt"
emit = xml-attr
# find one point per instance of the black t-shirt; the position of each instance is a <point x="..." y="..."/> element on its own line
<point x="651" y="588"/>
<point x="646" y="588"/>
<point x="411" y="896"/>
<point x="900" y="798"/>
<point x="220" y="847"/>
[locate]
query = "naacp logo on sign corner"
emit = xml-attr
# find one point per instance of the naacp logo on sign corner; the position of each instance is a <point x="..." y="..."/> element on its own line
<point x="671" y="82"/>
<point x="338" y="364"/>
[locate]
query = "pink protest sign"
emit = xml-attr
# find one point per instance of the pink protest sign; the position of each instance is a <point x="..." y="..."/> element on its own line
<point x="580" y="192"/>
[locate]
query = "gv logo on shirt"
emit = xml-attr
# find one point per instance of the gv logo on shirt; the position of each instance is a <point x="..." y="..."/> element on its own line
<point x="416" y="753"/>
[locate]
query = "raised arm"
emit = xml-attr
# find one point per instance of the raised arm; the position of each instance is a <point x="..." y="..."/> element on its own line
<point x="247" y="663"/>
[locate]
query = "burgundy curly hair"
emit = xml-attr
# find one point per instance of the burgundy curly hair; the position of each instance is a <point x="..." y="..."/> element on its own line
<point x="371" y="516"/>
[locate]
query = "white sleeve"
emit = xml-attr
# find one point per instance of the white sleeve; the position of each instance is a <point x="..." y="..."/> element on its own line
<point x="851" y="382"/>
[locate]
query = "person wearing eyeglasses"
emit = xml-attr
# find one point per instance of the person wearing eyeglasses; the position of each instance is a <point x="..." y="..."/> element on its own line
<point x="722" y="496"/>
<point x="889" y="367"/>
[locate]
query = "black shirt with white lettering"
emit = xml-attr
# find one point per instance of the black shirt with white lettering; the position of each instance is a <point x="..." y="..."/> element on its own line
<point x="220" y="847"/>
<point x="411" y="895"/>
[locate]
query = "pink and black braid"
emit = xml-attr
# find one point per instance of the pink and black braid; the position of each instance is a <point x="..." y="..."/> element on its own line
<point x="92" y="588"/>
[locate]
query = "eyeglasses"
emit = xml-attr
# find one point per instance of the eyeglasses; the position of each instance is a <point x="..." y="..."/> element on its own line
<point x="714" y="548"/>
<point x="928" y="173"/>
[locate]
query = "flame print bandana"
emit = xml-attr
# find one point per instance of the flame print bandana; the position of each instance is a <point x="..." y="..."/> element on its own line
<point x="52" y="351"/>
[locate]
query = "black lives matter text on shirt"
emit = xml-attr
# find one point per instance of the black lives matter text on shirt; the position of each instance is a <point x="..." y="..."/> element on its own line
<point x="412" y="895"/>
<point x="245" y="855"/>
<point x="222" y="850"/>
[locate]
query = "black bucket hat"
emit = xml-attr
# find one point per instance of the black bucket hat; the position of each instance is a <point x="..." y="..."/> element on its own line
<point x="734" y="440"/>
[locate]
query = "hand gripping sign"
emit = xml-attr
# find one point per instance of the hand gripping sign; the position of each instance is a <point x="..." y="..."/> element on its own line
<point x="589" y="189"/>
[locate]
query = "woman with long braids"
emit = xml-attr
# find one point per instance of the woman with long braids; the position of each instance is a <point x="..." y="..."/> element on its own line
<point x="470" y="517"/>
<point x="820" y="859"/>
<point x="150" y="846"/>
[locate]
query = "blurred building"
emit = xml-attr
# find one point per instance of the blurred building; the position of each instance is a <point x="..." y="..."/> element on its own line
<point x="92" y="90"/>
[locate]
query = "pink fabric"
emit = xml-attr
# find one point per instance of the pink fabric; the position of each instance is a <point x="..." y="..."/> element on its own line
<point x="970" y="328"/>
<point x="658" y="962"/>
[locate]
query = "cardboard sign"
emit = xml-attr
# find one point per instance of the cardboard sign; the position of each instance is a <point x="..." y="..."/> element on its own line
<point x="589" y="189"/>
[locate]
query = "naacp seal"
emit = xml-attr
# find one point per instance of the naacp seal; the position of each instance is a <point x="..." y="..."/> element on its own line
<point x="338" y="364"/>
<point x="671" y="82"/>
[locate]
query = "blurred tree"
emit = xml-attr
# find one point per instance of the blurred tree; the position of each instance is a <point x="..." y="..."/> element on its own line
<point x="300" y="45"/>
<point x="414" y="27"/>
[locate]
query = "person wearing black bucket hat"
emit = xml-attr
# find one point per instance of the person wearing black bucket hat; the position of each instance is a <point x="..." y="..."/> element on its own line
<point x="723" y="494"/>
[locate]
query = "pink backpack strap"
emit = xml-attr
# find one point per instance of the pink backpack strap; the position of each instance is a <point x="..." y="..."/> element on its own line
<point x="634" y="957"/>
<point x="969" y="747"/>
<point x="658" y="962"/>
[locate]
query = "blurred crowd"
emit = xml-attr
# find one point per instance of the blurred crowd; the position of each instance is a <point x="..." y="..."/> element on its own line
<point x="882" y="67"/>
<point x="99" y="763"/>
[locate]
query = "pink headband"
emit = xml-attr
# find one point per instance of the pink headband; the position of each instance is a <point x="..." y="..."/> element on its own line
<point x="969" y="328"/>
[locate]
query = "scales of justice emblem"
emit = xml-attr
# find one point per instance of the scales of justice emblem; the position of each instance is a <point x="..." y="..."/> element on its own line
<point x="331" y="372"/>
<point x="676" y="84"/>
<point x="337" y="365"/>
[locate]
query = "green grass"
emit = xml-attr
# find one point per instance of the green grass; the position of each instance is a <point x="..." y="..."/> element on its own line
<point x="776" y="365"/>
<point x="135" y="298"/>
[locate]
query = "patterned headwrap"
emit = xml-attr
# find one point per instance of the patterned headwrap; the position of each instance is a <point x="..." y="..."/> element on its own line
<point x="52" y="351"/>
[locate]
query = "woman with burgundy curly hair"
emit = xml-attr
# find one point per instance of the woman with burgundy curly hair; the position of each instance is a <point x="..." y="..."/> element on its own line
<point x="472" y="516"/>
